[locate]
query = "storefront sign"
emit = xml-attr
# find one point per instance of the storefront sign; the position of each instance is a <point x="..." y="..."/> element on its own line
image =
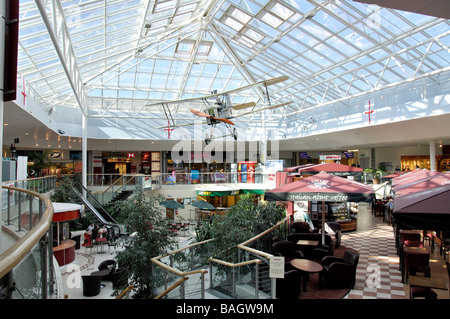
<point x="330" y="157"/>
<point x="218" y="193"/>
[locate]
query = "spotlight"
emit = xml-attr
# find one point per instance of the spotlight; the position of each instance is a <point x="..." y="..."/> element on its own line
<point x="61" y="132"/>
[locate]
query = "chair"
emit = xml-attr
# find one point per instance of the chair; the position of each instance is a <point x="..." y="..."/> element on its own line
<point x="301" y="227"/>
<point x="322" y="251"/>
<point x="288" y="250"/>
<point x="379" y="208"/>
<point x="119" y="278"/>
<point x="88" y="242"/>
<point x="416" y="262"/>
<point x="340" y="272"/>
<point x="91" y="285"/>
<point x="424" y="292"/>
<point x="336" y="228"/>
<point x="110" y="265"/>
<point x="290" y="286"/>
<point x="307" y="250"/>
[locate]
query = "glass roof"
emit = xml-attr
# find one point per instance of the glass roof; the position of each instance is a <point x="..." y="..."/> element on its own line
<point x="124" y="58"/>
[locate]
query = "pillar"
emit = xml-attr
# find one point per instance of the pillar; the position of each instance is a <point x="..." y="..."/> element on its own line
<point x="432" y="156"/>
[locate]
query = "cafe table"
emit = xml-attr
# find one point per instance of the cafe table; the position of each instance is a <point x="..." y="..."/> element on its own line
<point x="306" y="267"/>
<point x="304" y="242"/>
<point x="101" y="241"/>
<point x="427" y="282"/>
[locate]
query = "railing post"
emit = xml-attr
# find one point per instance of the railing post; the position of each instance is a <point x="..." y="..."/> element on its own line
<point x="50" y="259"/>
<point x="274" y="288"/>
<point x="182" y="291"/>
<point x="30" y="207"/>
<point x="203" y="285"/>
<point x="19" y="224"/>
<point x="9" y="206"/>
<point x="257" y="281"/>
<point x="44" y="266"/>
<point x="233" y="287"/>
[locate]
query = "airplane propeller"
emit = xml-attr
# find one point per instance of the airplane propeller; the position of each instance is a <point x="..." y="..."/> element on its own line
<point x="198" y="113"/>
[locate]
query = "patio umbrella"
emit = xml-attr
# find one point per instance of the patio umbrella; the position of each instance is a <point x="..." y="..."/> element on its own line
<point x="331" y="168"/>
<point x="426" y="208"/>
<point x="202" y="205"/>
<point x="422" y="184"/>
<point x="413" y="176"/>
<point x="171" y="204"/>
<point x="322" y="187"/>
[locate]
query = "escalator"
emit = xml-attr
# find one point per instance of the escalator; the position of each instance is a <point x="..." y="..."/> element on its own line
<point x="98" y="211"/>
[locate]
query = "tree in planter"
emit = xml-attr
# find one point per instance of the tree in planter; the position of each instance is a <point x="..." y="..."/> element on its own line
<point x="243" y="221"/>
<point x="142" y="214"/>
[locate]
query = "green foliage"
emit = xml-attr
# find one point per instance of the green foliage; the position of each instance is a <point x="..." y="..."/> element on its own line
<point x="243" y="221"/>
<point x="62" y="193"/>
<point x="142" y="214"/>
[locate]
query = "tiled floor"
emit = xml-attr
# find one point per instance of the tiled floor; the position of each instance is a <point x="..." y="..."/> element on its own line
<point x="378" y="275"/>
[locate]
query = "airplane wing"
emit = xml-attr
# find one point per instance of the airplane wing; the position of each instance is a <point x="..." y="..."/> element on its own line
<point x="268" y="82"/>
<point x="262" y="109"/>
<point x="235" y="116"/>
<point x="243" y="106"/>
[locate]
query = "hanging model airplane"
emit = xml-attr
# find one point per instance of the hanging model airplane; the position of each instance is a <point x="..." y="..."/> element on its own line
<point x="220" y="111"/>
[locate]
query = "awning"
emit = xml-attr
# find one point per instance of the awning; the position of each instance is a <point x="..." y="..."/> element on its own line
<point x="322" y="187"/>
<point x="332" y="168"/>
<point x="231" y="189"/>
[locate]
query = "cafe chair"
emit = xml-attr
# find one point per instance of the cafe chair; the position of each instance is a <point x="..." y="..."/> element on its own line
<point x="110" y="265"/>
<point x="335" y="227"/>
<point x="91" y="285"/>
<point x="290" y="286"/>
<point x="88" y="244"/>
<point x="324" y="250"/>
<point x="424" y="292"/>
<point x="288" y="250"/>
<point x="339" y="272"/>
<point x="301" y="227"/>
<point x="414" y="263"/>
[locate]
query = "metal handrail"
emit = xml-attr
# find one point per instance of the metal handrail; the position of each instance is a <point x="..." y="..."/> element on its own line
<point x="249" y="241"/>
<point x="175" y="285"/>
<point x="156" y="260"/>
<point x="14" y="254"/>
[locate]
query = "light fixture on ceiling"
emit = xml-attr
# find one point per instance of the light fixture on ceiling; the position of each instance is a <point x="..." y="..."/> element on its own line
<point x="61" y="132"/>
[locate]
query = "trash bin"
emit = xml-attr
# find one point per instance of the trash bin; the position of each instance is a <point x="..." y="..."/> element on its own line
<point x="77" y="241"/>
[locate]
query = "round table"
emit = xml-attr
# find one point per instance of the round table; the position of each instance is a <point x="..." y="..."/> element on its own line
<point x="102" y="274"/>
<point x="307" y="267"/>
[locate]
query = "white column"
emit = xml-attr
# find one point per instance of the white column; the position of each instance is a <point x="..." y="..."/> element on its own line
<point x="84" y="153"/>
<point x="432" y="156"/>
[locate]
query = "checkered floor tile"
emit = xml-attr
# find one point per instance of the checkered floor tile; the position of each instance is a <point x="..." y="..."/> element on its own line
<point x="378" y="275"/>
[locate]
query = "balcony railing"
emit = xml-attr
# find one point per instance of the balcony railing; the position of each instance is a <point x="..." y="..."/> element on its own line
<point x="26" y="270"/>
<point x="247" y="277"/>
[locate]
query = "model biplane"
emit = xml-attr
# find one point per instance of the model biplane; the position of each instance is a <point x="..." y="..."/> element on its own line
<point x="217" y="108"/>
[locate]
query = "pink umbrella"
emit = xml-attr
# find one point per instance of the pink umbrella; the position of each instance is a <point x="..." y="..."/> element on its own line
<point x="424" y="208"/>
<point x="413" y="176"/>
<point x="322" y="187"/>
<point x="332" y="168"/>
<point x="434" y="180"/>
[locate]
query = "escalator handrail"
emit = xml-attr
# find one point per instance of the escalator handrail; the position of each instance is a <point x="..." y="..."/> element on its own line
<point x="95" y="200"/>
